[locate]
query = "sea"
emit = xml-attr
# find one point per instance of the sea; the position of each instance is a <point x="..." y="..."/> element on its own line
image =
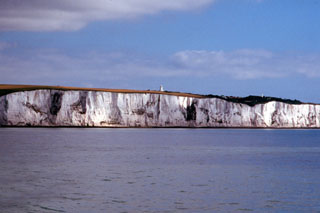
<point x="93" y="170"/>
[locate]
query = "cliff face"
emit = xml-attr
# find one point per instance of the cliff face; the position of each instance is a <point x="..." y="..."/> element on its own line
<point x="108" y="109"/>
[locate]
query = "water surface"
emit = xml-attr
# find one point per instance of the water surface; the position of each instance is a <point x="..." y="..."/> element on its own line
<point x="159" y="170"/>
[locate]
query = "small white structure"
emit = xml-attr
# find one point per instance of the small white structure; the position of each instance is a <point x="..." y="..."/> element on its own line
<point x="161" y="88"/>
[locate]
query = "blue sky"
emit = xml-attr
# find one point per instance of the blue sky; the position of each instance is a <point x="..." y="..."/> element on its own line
<point x="229" y="47"/>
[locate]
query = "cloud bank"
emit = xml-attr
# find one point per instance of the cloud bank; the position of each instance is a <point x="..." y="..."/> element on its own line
<point x="69" y="15"/>
<point x="245" y="63"/>
<point x="53" y="67"/>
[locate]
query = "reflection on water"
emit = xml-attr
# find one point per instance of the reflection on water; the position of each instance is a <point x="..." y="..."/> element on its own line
<point x="159" y="170"/>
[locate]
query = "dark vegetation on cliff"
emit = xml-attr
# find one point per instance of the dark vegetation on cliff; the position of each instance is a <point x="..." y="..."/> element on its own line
<point x="253" y="100"/>
<point x="249" y="100"/>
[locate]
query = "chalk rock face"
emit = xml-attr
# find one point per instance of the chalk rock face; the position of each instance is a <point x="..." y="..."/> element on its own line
<point x="108" y="109"/>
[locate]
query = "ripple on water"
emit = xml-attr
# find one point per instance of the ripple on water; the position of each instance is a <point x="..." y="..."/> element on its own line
<point x="71" y="198"/>
<point x="245" y="210"/>
<point x="119" y="201"/>
<point x="233" y="203"/>
<point x="48" y="208"/>
<point x="273" y="201"/>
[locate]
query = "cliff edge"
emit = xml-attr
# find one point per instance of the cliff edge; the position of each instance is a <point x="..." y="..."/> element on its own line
<point x="52" y="106"/>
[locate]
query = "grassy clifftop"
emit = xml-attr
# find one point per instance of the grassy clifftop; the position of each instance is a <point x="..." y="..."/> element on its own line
<point x="10" y="88"/>
<point x="249" y="100"/>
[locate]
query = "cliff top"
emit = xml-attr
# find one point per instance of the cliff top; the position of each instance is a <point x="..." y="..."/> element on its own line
<point x="10" y="88"/>
<point x="249" y="100"/>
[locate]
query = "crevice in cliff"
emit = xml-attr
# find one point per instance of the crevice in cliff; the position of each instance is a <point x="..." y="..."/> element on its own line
<point x="81" y="105"/>
<point x="56" y="101"/>
<point x="158" y="108"/>
<point x="192" y="111"/>
<point x="4" y="106"/>
<point x="115" y="115"/>
<point x="139" y="111"/>
<point x="206" y="112"/>
<point x="312" y="119"/>
<point x="150" y="115"/>
<point x="34" y="108"/>
<point x="274" y="117"/>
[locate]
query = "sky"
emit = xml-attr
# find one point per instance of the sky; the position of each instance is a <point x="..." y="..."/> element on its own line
<point x="221" y="47"/>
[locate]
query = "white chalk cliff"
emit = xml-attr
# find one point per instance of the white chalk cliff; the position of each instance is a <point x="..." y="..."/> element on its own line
<point x="109" y="109"/>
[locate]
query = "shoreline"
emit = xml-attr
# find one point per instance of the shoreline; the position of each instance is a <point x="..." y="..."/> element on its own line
<point x="171" y="127"/>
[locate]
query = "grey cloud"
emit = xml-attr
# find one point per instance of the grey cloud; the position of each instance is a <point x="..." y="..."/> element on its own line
<point x="69" y="15"/>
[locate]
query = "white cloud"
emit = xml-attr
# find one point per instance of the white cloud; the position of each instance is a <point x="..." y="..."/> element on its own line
<point x="308" y="65"/>
<point x="69" y="15"/>
<point x="53" y="67"/>
<point x="247" y="64"/>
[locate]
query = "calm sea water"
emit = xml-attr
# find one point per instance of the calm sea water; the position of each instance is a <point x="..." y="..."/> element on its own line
<point x="159" y="170"/>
